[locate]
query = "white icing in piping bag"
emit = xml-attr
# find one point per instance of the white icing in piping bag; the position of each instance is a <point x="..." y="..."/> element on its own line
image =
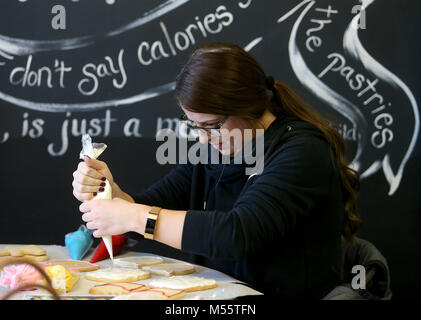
<point x="106" y="194"/>
<point x="93" y="150"/>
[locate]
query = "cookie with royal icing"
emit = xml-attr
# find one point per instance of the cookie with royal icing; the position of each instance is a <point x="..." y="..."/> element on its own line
<point x="117" y="288"/>
<point x="186" y="283"/>
<point x="170" y="269"/>
<point x="154" y="294"/>
<point x="117" y="275"/>
<point x="137" y="261"/>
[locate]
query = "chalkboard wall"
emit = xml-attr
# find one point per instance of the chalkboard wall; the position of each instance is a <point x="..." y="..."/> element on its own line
<point x="107" y="68"/>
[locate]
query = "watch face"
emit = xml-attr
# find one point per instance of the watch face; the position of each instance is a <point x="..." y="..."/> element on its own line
<point x="150" y="226"/>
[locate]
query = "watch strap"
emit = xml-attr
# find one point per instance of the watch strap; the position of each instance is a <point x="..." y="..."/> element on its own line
<point x="151" y="222"/>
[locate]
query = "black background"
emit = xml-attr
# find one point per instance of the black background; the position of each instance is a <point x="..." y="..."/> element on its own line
<point x="36" y="202"/>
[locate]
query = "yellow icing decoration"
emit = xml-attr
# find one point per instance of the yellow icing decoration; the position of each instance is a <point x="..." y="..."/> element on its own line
<point x="60" y="277"/>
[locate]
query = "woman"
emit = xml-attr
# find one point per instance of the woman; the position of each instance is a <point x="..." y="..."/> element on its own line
<point x="279" y="230"/>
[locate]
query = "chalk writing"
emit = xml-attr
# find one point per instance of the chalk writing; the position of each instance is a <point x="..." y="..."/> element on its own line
<point x="361" y="93"/>
<point x="212" y="23"/>
<point x="26" y="76"/>
<point x="372" y="122"/>
<point x="93" y="73"/>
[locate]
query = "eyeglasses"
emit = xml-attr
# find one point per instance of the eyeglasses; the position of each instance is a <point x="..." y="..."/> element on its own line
<point x="208" y="130"/>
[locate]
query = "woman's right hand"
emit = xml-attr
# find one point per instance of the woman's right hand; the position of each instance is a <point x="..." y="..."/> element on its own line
<point x="89" y="178"/>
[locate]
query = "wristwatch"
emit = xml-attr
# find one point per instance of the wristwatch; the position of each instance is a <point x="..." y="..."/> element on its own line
<point x="151" y="222"/>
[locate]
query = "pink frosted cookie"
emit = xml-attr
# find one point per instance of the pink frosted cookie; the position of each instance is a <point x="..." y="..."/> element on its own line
<point x="13" y="276"/>
<point x="154" y="294"/>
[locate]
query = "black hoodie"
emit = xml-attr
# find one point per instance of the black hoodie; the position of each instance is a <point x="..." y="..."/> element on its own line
<point x="278" y="231"/>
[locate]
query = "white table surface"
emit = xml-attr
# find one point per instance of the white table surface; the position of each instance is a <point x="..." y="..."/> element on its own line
<point x="226" y="286"/>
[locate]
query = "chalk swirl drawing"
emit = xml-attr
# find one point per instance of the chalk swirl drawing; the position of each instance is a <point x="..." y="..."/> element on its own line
<point x="318" y="88"/>
<point x="363" y="161"/>
<point x="22" y="47"/>
<point x="352" y="45"/>
<point x="10" y="47"/>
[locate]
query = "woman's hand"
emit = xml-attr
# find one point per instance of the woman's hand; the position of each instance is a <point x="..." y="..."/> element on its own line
<point x="89" y="179"/>
<point x="116" y="216"/>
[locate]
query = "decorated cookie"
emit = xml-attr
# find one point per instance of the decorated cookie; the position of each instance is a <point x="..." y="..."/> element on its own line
<point x="170" y="269"/>
<point x="137" y="262"/>
<point x="187" y="283"/>
<point x="117" y="288"/>
<point x="117" y="275"/>
<point x="154" y="294"/>
<point x="61" y="278"/>
<point x="13" y="276"/>
<point x="75" y="265"/>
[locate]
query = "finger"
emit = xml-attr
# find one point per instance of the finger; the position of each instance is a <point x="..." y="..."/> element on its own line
<point x="83" y="196"/>
<point x="86" y="180"/>
<point x="96" y="164"/>
<point x="97" y="234"/>
<point x="88" y="217"/>
<point x="91" y="225"/>
<point x="87" y="171"/>
<point x="86" y="206"/>
<point x="86" y="189"/>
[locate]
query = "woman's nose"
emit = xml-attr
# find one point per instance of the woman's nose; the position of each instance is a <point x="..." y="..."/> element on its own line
<point x="203" y="137"/>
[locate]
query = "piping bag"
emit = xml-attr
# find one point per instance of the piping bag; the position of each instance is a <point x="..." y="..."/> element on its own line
<point x="93" y="151"/>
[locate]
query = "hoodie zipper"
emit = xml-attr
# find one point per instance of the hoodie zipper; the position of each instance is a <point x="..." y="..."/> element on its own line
<point x="207" y="194"/>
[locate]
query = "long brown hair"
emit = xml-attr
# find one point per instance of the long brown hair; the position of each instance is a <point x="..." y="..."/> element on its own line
<point x="222" y="78"/>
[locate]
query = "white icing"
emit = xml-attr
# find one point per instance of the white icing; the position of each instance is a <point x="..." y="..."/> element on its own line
<point x="135" y="262"/>
<point x="153" y="294"/>
<point x="93" y="150"/>
<point x="97" y="152"/>
<point x="124" y="264"/>
<point x="90" y="149"/>
<point x="148" y="295"/>
<point x="134" y="296"/>
<point x="166" y="269"/>
<point x="182" y="282"/>
<point x="116" y="273"/>
<point x="108" y="240"/>
<point x="106" y="194"/>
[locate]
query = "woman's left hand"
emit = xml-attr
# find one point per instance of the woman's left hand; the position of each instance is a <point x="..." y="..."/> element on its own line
<point x="112" y="217"/>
